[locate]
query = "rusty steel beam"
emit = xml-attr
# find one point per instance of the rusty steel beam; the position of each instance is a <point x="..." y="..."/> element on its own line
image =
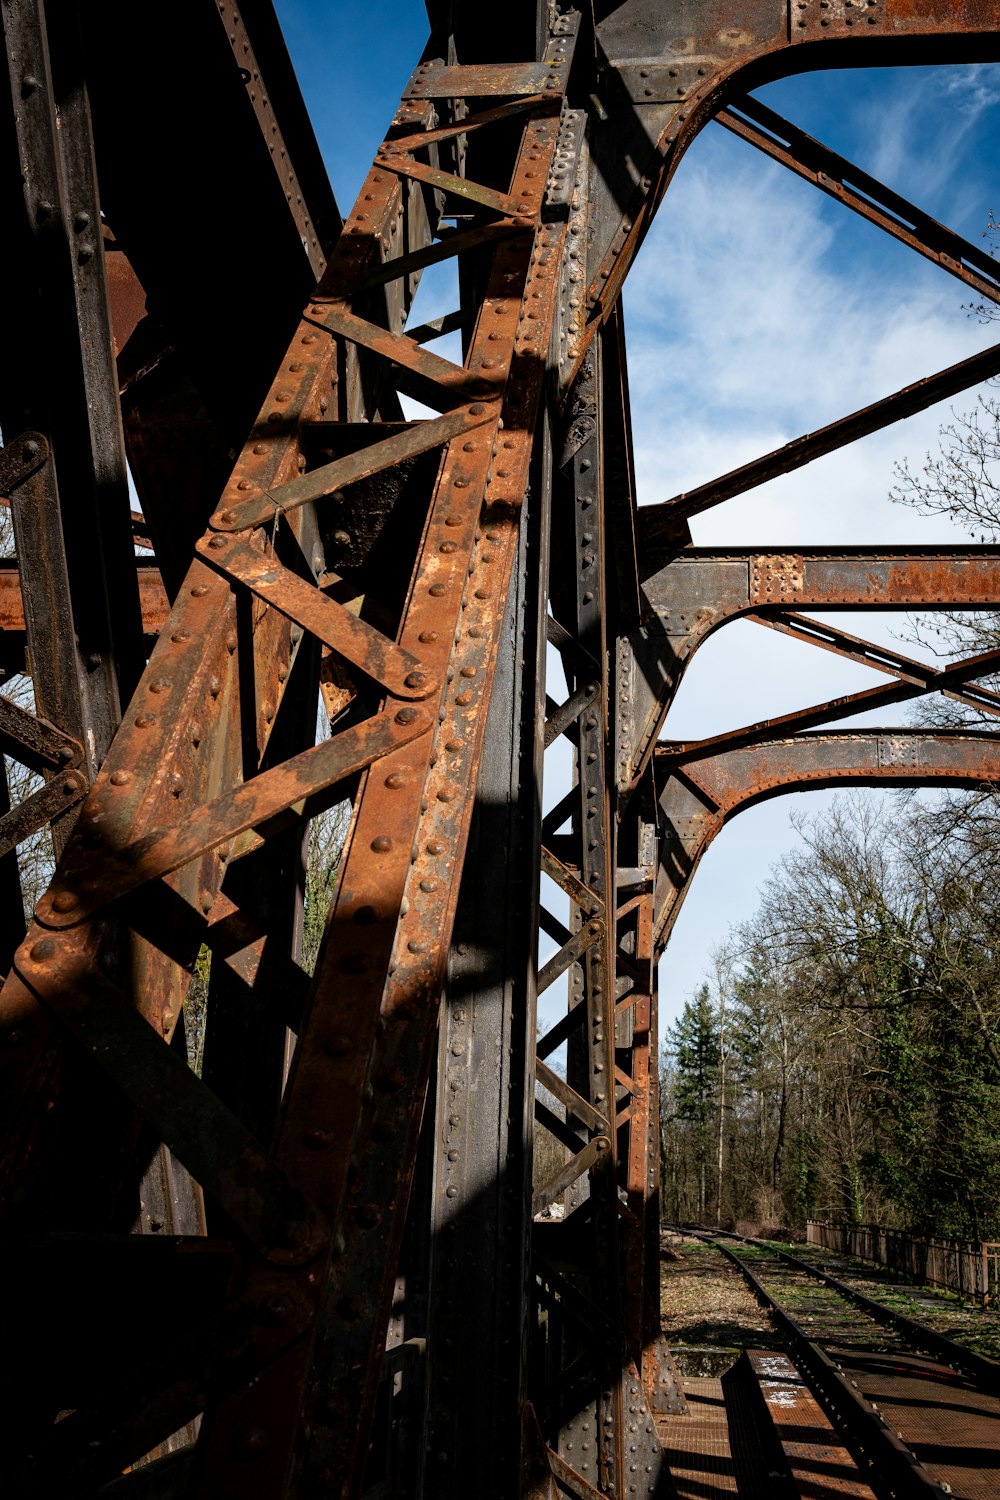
<point x="697" y="801"/>
<point x="153" y="605"/>
<point x="862" y="193"/>
<point x="926" y="681"/>
<point x="657" y="523"/>
<point x="363" y="1161"/>
<point x="693" y="592"/>
<point x="455" y="581"/>
<point x="658" y="90"/>
<point x="881" y="658"/>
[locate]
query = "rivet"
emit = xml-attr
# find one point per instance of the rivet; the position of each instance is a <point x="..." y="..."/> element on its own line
<point x="436" y="590"/>
<point x="415" y="946"/>
<point x="427" y="886"/>
<point x="463" y="699"/>
<point x="436" y="846"/>
<point x="427" y="636"/>
<point x="199" y="591"/>
<point x="406" y="716"/>
<point x="143" y="721"/>
<point x="120" y="778"/>
<point x="381" y="844"/>
<point x="454" y="745"/>
<point x="415" y="680"/>
<point x="448" y="547"/>
<point x="43" y="950"/>
<point x="468" y="672"/>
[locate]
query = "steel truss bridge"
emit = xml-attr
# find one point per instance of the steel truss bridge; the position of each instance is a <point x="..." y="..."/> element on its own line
<point x="326" y="1256"/>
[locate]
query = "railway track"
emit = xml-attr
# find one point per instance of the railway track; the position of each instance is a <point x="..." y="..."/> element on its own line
<point x="920" y="1413"/>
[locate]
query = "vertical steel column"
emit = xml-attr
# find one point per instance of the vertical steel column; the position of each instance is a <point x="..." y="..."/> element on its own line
<point x="597" y="1417"/>
<point x="79" y="585"/>
<point x="595" y="829"/>
<point x="481" y="1208"/>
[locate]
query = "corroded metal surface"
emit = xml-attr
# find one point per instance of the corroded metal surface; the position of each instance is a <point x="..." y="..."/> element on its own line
<point x="363" y="1134"/>
<point x="818" y="1462"/>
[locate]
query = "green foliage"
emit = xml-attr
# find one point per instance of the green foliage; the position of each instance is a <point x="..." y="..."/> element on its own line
<point x="326" y="842"/>
<point x="694" y="1044"/>
<point x="863" y="1032"/>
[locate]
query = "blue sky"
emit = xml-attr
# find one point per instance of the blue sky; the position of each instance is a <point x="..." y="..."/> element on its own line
<point x="758" y="309"/>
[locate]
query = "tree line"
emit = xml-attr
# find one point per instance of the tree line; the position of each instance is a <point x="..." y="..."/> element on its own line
<point x="842" y="1060"/>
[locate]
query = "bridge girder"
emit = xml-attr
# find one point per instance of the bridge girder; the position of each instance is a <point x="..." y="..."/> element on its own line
<point x="359" y="1146"/>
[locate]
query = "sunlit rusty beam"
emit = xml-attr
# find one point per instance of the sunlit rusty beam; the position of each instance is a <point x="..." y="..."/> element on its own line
<point x="724" y="583"/>
<point x="841" y="708"/>
<point x="659" y="522"/>
<point x="695" y="591"/>
<point x="152" y="599"/>
<point x="868" y="654"/>
<point x="862" y="193"/>
<point x="658" y="92"/>
<point x="740" y="778"/>
<point x="695" y="802"/>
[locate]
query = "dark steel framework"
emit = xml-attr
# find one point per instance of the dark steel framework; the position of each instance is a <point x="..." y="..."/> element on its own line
<point x="327" y="1256"/>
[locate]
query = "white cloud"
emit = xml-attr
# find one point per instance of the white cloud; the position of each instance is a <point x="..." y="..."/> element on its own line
<point x="974" y="88"/>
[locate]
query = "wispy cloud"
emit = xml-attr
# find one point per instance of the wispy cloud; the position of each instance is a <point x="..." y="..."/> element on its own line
<point x="753" y="316"/>
<point x="974" y="88"/>
<point x="916" y="131"/>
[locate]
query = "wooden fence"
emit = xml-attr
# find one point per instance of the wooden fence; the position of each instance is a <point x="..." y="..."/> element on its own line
<point x="966" y="1267"/>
